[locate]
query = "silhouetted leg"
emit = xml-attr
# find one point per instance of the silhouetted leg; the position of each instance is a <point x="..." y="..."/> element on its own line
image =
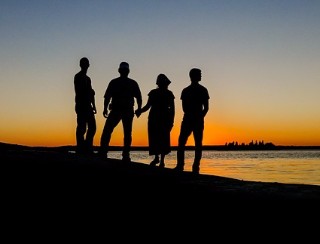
<point x="161" y="165"/>
<point x="80" y="132"/>
<point x="153" y="137"/>
<point x="111" y="122"/>
<point x="91" y="132"/>
<point x="127" y="121"/>
<point x="198" y="136"/>
<point x="155" y="161"/>
<point x="185" y="132"/>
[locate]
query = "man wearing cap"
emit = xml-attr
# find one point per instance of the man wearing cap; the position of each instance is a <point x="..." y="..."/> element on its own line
<point x="119" y="98"/>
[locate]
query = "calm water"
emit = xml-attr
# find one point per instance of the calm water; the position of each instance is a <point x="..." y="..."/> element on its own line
<point x="283" y="166"/>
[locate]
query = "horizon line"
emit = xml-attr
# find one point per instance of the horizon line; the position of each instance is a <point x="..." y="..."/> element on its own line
<point x="204" y="147"/>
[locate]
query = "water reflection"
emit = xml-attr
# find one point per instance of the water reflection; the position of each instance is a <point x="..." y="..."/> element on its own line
<point x="287" y="166"/>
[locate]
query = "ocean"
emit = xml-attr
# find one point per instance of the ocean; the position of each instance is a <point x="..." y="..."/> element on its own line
<point x="282" y="166"/>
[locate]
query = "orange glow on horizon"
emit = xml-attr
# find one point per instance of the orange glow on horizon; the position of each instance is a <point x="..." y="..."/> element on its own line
<point x="214" y="134"/>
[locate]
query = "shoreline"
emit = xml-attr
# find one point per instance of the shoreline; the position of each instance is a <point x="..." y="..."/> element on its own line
<point x="56" y="174"/>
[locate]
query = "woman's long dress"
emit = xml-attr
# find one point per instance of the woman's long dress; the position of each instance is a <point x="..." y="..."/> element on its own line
<point x="160" y="121"/>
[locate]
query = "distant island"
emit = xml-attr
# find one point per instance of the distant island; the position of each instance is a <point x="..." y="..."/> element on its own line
<point x="231" y="146"/>
<point x="261" y="145"/>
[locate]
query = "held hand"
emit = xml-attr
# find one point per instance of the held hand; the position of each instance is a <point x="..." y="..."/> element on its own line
<point x="138" y="113"/>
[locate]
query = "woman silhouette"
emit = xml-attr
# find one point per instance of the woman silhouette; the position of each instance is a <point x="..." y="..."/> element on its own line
<point x="160" y="119"/>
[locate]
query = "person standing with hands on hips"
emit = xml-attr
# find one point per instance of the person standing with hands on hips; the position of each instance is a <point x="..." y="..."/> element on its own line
<point x="120" y="98"/>
<point x="195" y="105"/>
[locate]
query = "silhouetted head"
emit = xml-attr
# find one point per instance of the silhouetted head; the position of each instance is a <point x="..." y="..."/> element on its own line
<point x="124" y="69"/>
<point x="195" y="75"/>
<point x="162" y="80"/>
<point x="84" y="63"/>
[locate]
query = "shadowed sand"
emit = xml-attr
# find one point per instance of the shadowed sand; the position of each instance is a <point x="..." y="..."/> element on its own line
<point x="47" y="194"/>
<point x="61" y="175"/>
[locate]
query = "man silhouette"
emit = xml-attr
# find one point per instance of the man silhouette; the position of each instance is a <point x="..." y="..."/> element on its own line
<point x="120" y="93"/>
<point x="85" y="108"/>
<point x="195" y="105"/>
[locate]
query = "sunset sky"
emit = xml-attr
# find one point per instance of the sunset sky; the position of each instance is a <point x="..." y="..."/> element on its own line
<point x="260" y="61"/>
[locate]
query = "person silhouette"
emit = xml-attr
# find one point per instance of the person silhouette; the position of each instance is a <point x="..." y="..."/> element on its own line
<point x="160" y="119"/>
<point x="195" y="105"/>
<point x="119" y="98"/>
<point x="85" y="109"/>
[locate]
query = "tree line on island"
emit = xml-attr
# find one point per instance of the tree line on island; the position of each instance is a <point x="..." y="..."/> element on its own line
<point x="251" y="145"/>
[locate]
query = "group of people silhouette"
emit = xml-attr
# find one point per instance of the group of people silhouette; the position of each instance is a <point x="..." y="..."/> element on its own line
<point x="119" y="100"/>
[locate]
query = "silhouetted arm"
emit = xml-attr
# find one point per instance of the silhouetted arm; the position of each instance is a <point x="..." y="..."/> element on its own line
<point x="105" y="107"/>
<point x="172" y="113"/>
<point x="107" y="98"/>
<point x="139" y="98"/>
<point x="205" y="107"/>
<point x="93" y="102"/>
<point x="146" y="107"/>
<point x="184" y="106"/>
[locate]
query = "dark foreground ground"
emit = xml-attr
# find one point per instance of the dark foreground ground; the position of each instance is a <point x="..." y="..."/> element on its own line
<point x="64" y="175"/>
<point x="63" y="190"/>
<point x="49" y="195"/>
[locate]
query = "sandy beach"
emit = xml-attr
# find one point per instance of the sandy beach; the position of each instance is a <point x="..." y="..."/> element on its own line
<point x="55" y="191"/>
<point x="67" y="175"/>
